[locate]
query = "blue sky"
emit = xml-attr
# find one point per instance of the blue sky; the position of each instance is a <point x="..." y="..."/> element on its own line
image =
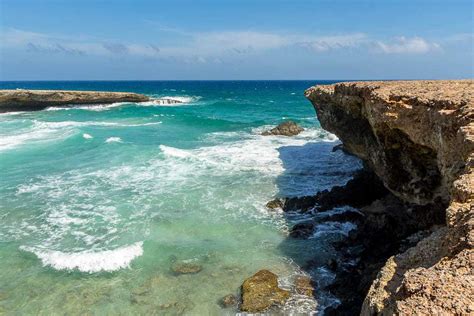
<point x="248" y="39"/>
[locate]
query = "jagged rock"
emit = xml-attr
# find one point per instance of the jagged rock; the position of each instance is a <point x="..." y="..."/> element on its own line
<point x="273" y="204"/>
<point x="186" y="267"/>
<point x="361" y="190"/>
<point x="288" y="128"/>
<point x="304" y="285"/>
<point x="332" y="264"/>
<point x="418" y="138"/>
<point x="302" y="230"/>
<point x="302" y="203"/>
<point x="229" y="300"/>
<point x="34" y="100"/>
<point x="261" y="291"/>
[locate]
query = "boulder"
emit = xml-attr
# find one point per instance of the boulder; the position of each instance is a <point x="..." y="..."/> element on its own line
<point x="229" y="301"/>
<point x="261" y="291"/>
<point x="288" y="128"/>
<point x="275" y="203"/>
<point x="186" y="267"/>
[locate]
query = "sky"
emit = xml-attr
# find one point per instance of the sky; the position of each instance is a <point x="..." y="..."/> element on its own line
<point x="236" y="40"/>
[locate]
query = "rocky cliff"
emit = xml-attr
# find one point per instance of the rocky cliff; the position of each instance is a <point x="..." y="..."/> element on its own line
<point x="33" y="100"/>
<point x="418" y="138"/>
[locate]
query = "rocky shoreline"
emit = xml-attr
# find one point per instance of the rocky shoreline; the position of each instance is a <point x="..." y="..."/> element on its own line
<point x="413" y="250"/>
<point x="35" y="100"/>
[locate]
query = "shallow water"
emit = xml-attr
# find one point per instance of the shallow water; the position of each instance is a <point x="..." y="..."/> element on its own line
<point x="98" y="202"/>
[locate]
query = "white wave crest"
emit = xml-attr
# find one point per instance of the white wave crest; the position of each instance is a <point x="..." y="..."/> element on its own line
<point x="113" y="140"/>
<point x="88" y="261"/>
<point x="174" y="152"/>
<point x="87" y="136"/>
<point x="89" y="107"/>
<point x="170" y="101"/>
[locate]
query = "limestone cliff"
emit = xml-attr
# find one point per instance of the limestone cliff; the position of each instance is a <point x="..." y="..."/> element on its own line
<point x="33" y="100"/>
<point x="418" y="138"/>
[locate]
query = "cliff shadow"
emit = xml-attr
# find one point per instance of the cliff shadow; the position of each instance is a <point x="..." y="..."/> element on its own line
<point x="308" y="169"/>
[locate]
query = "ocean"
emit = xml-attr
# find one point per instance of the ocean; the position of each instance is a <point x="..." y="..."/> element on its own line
<point x="98" y="203"/>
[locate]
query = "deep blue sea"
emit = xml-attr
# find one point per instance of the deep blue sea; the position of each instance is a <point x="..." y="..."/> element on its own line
<point x="97" y="203"/>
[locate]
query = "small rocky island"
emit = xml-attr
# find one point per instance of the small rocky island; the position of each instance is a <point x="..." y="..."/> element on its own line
<point x="35" y="100"/>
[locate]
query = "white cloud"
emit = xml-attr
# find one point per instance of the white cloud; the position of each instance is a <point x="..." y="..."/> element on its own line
<point x="209" y="47"/>
<point x="404" y="45"/>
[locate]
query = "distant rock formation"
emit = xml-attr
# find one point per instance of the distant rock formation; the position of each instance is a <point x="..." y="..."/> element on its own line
<point x="34" y="100"/>
<point x="288" y="128"/>
<point x="418" y="138"/>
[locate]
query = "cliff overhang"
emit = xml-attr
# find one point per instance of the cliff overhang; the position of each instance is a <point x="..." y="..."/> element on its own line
<point x="418" y="138"/>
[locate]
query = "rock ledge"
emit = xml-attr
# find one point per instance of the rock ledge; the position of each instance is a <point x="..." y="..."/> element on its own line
<point x="34" y="100"/>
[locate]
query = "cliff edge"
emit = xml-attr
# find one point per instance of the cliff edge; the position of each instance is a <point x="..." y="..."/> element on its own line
<point x="34" y="100"/>
<point x="418" y="138"/>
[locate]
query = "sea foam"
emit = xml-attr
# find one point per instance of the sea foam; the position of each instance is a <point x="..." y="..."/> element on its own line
<point x="88" y="261"/>
<point x="170" y="101"/>
<point x="113" y="140"/>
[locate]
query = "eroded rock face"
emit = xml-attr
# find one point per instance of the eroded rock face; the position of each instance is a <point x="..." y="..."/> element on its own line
<point x="418" y="137"/>
<point x="288" y="128"/>
<point x="261" y="291"/>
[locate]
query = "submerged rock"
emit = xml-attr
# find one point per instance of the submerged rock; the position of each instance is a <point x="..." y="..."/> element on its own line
<point x="229" y="301"/>
<point x="304" y="285"/>
<point x="186" y="267"/>
<point x="288" y="128"/>
<point x="302" y="230"/>
<point x="261" y="291"/>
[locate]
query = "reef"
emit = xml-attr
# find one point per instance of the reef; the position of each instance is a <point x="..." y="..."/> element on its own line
<point x="35" y="100"/>
<point x="414" y="243"/>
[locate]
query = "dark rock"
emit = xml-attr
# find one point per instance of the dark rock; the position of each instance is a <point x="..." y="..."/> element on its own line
<point x="185" y="267"/>
<point x="288" y="128"/>
<point x="364" y="188"/>
<point x="229" y="300"/>
<point x="349" y="216"/>
<point x="361" y="190"/>
<point x="302" y="230"/>
<point x="386" y="224"/>
<point x="303" y="203"/>
<point x="332" y="264"/>
<point x="261" y="291"/>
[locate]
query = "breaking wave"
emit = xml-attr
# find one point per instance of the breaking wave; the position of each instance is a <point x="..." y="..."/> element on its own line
<point x="88" y="261"/>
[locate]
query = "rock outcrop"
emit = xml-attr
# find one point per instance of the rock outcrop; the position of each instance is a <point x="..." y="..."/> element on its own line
<point x="261" y="291"/>
<point x="34" y="100"/>
<point x="288" y="128"/>
<point x="418" y="138"/>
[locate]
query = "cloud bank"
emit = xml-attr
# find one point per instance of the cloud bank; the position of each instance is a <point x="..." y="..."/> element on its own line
<point x="201" y="47"/>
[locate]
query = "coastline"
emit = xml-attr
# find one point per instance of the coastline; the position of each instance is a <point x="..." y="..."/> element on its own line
<point x="381" y="223"/>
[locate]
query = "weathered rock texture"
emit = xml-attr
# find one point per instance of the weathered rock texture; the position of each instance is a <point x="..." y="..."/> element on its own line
<point x="418" y="138"/>
<point x="261" y="291"/>
<point x="34" y="100"/>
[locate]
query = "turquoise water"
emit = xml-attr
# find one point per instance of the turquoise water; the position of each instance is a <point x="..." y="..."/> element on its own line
<point x="98" y="202"/>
